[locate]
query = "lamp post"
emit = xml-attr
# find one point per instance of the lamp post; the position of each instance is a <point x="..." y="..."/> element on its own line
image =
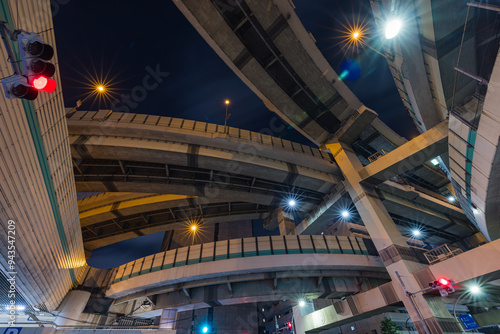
<point x="474" y="289"/>
<point x="301" y="304"/>
<point x="99" y="89"/>
<point x="227" y="116"/>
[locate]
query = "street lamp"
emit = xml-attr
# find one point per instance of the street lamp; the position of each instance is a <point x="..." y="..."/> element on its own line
<point x="345" y="214"/>
<point x="98" y="89"/>
<point x="226" y="102"/>
<point x="301" y="304"/>
<point x="392" y="28"/>
<point x="473" y="289"/>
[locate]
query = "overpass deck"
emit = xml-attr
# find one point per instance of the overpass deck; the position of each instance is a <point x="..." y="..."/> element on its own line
<point x="275" y="253"/>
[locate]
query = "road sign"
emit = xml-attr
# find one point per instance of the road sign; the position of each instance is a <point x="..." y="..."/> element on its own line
<point x="468" y="321"/>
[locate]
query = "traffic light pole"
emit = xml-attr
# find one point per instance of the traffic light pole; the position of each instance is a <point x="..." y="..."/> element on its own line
<point x="410" y="294"/>
<point x="8" y="36"/>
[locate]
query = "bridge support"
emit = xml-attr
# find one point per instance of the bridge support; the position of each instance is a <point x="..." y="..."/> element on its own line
<point x="71" y="307"/>
<point x="286" y="222"/>
<point x="429" y="315"/>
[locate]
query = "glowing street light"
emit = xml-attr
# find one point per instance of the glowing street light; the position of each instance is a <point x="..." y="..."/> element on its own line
<point x="193" y="228"/>
<point x="416" y="233"/>
<point x="355" y="35"/>
<point x="292" y="203"/>
<point x="392" y="28"/>
<point x="345" y="214"/>
<point x="302" y="303"/>
<point x="100" y="88"/>
<point x="475" y="289"/>
<point x="451" y="199"/>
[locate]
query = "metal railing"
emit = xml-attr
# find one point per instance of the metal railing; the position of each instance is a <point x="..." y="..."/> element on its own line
<point x="441" y="253"/>
<point x="377" y="155"/>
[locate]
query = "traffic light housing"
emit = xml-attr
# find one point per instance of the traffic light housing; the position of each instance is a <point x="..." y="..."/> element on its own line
<point x="289" y="325"/>
<point x="17" y="86"/>
<point x="444" y="285"/>
<point x="35" y="56"/>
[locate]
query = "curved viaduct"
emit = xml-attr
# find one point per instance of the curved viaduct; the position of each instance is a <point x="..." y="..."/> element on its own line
<point x="153" y="154"/>
<point x="242" y="270"/>
<point x="207" y="170"/>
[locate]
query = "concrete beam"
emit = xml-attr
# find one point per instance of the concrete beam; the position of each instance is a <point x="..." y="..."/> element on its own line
<point x="465" y="266"/>
<point x="414" y="153"/>
<point x="354" y="308"/>
<point x="321" y="214"/>
<point x="354" y="126"/>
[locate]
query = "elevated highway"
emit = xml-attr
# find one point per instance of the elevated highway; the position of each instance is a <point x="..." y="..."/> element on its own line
<point x="152" y="154"/>
<point x="244" y="270"/>
<point x="269" y="49"/>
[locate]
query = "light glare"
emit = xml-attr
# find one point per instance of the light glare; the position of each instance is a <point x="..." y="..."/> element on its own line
<point x="392" y="28"/>
<point x="475" y="289"/>
<point x="345" y="214"/>
<point x="435" y="162"/>
<point x="302" y="303"/>
<point x="416" y="233"/>
<point x="292" y="203"/>
<point x="451" y="199"/>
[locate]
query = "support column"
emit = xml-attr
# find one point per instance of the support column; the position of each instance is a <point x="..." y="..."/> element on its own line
<point x="430" y="316"/>
<point x="286" y="222"/>
<point x="71" y="307"/>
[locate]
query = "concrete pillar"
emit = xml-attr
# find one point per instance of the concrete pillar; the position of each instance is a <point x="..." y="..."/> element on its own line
<point x="286" y="222"/>
<point x="392" y="247"/>
<point x="71" y="307"/>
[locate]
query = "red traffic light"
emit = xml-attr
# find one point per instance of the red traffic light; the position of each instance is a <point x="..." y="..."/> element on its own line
<point x="289" y="324"/>
<point x="45" y="84"/>
<point x="444" y="281"/>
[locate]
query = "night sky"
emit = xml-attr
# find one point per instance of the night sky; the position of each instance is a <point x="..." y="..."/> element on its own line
<point x="118" y="40"/>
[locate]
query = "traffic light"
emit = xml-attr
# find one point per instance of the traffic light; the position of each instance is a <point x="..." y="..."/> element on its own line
<point x="35" y="55"/>
<point x="17" y="86"/>
<point x="289" y="325"/>
<point x="444" y="285"/>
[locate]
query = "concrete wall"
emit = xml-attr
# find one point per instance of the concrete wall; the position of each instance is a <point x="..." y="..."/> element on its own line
<point x="37" y="182"/>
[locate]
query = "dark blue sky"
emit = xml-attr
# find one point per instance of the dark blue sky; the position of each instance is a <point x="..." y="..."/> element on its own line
<point x="154" y="33"/>
<point x="119" y="39"/>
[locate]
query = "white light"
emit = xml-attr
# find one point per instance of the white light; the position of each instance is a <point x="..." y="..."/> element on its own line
<point x="392" y="28"/>
<point x="302" y="303"/>
<point x="345" y="213"/>
<point x="435" y="162"/>
<point x="475" y="289"/>
<point x="451" y="199"/>
<point x="292" y="203"/>
<point x="475" y="211"/>
<point x="21" y="308"/>
<point x="416" y="233"/>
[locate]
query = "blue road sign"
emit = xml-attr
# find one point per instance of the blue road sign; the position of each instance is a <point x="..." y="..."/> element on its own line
<point x="468" y="321"/>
